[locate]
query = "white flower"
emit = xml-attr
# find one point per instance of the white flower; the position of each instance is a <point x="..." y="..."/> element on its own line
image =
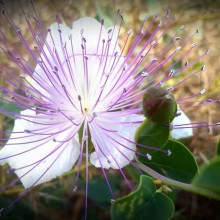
<point x="82" y="88"/>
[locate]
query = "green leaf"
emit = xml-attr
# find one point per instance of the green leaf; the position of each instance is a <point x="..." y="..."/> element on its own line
<point x="99" y="191"/>
<point x="106" y="14"/>
<point x="144" y="203"/>
<point x="10" y="107"/>
<point x="151" y="134"/>
<point x="218" y="148"/>
<point x="209" y="177"/>
<point x="180" y="165"/>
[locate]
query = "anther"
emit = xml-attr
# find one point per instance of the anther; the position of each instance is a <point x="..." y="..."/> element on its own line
<point x="202" y="91"/>
<point x="178" y="48"/>
<point x="160" y="23"/>
<point x="145" y="18"/>
<point x="55" y="68"/>
<point x="112" y="201"/>
<point x="37" y="38"/>
<point x="171" y="73"/>
<point x="203" y="68"/>
<point x="11" y="170"/>
<point x="28" y="95"/>
<point x="169" y="152"/>
<point x="144" y="74"/>
<point x="18" y="31"/>
<point x="153" y="43"/>
<point x="171" y="127"/>
<point x="193" y="45"/>
<point x="177" y="114"/>
<point x="170" y="89"/>
<point x="129" y="32"/>
<point x="79" y="97"/>
<point x="154" y="60"/>
<point x="22" y="76"/>
<point x="149" y="157"/>
<point x="74" y="188"/>
<point x="182" y="27"/>
<point x="207" y="52"/>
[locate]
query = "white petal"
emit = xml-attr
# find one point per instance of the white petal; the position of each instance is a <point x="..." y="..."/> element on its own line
<point x="94" y="36"/>
<point x="50" y="60"/>
<point x="112" y="154"/>
<point x="61" y="160"/>
<point x="91" y="31"/>
<point x="183" y="132"/>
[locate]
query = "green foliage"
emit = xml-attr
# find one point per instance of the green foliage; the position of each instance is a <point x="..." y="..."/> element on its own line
<point x="20" y="211"/>
<point x="10" y="107"/>
<point x="218" y="148"/>
<point x="151" y="134"/>
<point x="144" y="203"/>
<point x="98" y="189"/>
<point x="180" y="165"/>
<point x="209" y="177"/>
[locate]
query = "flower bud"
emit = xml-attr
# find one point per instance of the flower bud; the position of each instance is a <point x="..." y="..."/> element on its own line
<point x="159" y="105"/>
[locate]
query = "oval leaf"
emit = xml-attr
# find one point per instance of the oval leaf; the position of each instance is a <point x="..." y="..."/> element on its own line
<point x="209" y="177"/>
<point x="180" y="165"/>
<point x="151" y="134"/>
<point x="144" y="203"/>
<point x="218" y="148"/>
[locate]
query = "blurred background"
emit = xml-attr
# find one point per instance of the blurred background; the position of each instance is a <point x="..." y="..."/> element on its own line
<point x="56" y="199"/>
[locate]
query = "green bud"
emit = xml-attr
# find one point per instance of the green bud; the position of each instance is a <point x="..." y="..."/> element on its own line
<point x="159" y="105"/>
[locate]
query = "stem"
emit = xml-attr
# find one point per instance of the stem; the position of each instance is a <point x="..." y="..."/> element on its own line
<point x="185" y="186"/>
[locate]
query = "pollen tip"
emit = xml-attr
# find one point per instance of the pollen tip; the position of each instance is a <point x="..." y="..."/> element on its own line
<point x="171" y="127"/>
<point x="11" y="170"/>
<point x="22" y="76"/>
<point x="193" y="45"/>
<point x="112" y="201"/>
<point x="202" y="91"/>
<point x="1" y="210"/>
<point x="149" y="157"/>
<point x="74" y="188"/>
<point x="203" y="68"/>
<point x="207" y="52"/>
<point x="169" y="152"/>
<point x="182" y="27"/>
<point x="27" y="131"/>
<point x="178" y="114"/>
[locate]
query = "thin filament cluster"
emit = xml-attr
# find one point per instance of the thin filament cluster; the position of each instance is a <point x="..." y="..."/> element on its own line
<point x="80" y="94"/>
